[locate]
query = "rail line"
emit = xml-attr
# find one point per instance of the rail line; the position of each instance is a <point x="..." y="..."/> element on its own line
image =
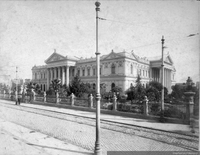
<point x="171" y="138"/>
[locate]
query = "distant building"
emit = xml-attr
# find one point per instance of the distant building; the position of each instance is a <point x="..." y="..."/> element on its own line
<point x="116" y="69"/>
<point x="26" y="81"/>
<point x="19" y="82"/>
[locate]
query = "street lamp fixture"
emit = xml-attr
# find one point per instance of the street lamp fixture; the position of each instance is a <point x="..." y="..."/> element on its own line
<point x="97" y="149"/>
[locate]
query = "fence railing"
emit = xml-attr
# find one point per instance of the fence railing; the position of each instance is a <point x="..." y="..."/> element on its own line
<point x="180" y="111"/>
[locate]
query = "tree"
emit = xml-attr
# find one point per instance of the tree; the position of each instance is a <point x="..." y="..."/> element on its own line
<point x="153" y="91"/>
<point x="64" y="90"/>
<point x="3" y="87"/>
<point x="138" y="80"/>
<point x="33" y="86"/>
<point x="138" y="92"/>
<point x="76" y="86"/>
<point x="56" y="85"/>
<point x="177" y="92"/>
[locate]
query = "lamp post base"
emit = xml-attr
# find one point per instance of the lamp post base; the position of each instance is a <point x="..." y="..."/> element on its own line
<point x="162" y="118"/>
<point x="97" y="150"/>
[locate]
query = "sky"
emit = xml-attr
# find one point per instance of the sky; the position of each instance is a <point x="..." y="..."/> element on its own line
<point x="31" y="30"/>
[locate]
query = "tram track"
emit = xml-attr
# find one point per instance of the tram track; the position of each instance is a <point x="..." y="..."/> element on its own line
<point x="180" y="140"/>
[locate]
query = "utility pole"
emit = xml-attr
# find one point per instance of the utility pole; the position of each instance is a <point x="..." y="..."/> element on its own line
<point x="162" y="82"/>
<point x="97" y="149"/>
<point x="16" y="86"/>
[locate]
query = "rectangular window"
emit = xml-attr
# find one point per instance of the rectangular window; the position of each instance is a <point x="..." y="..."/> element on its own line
<point x="78" y="72"/>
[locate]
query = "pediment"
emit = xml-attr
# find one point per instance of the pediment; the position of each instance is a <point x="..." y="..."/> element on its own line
<point x="133" y="56"/>
<point x="112" y="55"/>
<point x="54" y="58"/>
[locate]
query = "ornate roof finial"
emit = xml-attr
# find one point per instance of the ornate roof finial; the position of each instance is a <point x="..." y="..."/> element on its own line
<point x="54" y="50"/>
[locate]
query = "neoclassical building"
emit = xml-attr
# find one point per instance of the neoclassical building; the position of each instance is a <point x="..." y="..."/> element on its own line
<point x="116" y="69"/>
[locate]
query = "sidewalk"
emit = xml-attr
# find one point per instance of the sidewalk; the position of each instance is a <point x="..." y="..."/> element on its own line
<point x="146" y="123"/>
<point x="18" y="140"/>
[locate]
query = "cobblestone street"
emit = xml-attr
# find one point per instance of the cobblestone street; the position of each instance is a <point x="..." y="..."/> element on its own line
<point x="81" y="134"/>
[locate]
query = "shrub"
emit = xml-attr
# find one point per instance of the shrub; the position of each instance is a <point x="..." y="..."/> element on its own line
<point x="155" y="108"/>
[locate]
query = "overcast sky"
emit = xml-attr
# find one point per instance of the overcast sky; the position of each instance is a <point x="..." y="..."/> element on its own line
<point x="31" y="30"/>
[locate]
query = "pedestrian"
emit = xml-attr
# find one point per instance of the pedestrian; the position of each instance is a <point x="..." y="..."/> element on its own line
<point x="16" y="98"/>
<point x="19" y="98"/>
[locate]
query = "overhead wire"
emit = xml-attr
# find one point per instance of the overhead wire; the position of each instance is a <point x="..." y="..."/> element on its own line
<point x="154" y="43"/>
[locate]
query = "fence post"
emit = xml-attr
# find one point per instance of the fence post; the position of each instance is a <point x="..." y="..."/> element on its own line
<point x="91" y="101"/>
<point x="114" y="102"/>
<point x="57" y="97"/>
<point x="9" y="95"/>
<point x="189" y="106"/>
<point x="33" y="95"/>
<point x="72" y="99"/>
<point x="4" y="94"/>
<point x="145" y="106"/>
<point x="45" y="95"/>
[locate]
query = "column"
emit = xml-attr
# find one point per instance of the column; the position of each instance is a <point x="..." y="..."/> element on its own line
<point x="55" y="75"/>
<point x="47" y="79"/>
<point x="160" y="75"/>
<point x="150" y="73"/>
<point x="67" y="75"/>
<point x="59" y="73"/>
<point x="63" y="75"/>
<point x="51" y="75"/>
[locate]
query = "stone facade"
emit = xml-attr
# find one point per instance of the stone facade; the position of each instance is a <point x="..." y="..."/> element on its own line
<point x="116" y="69"/>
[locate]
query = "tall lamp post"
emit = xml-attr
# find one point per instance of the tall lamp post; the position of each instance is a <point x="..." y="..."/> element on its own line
<point x="16" y="93"/>
<point x="97" y="149"/>
<point x="162" y="82"/>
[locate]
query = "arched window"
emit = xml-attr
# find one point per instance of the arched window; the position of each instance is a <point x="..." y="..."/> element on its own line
<point x="35" y="75"/>
<point x="88" y="70"/>
<point x="78" y="72"/>
<point x="113" y="69"/>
